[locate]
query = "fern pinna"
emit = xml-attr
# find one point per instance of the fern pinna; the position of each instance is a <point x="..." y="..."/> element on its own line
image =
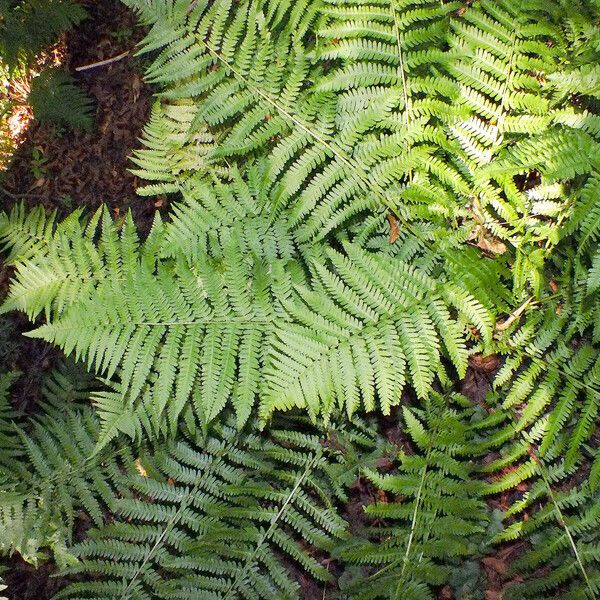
<point x="366" y="198"/>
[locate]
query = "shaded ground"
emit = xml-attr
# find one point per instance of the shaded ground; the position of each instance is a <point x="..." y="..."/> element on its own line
<point x="63" y="170"/>
<point x="79" y="169"/>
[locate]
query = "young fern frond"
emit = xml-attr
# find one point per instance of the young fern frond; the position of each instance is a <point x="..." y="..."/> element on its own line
<point x="167" y="157"/>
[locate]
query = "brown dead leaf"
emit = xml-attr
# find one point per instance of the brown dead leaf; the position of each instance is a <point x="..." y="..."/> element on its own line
<point x="501" y="326"/>
<point x="475" y="332"/>
<point x="532" y="454"/>
<point x="381" y="497"/>
<point x="480" y="235"/>
<point x="484" y="240"/>
<point x="491" y="245"/>
<point x="485" y="364"/>
<point x="394" y="227"/>
<point x="136" y="87"/>
<point x="496" y="564"/>
<point x="38" y="183"/>
<point x="384" y="463"/>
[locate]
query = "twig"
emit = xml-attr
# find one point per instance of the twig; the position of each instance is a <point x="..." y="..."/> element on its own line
<point x="101" y="63"/>
<point x="20" y="195"/>
<point x="512" y="318"/>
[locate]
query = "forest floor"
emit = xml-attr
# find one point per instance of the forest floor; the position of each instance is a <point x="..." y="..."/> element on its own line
<point x="66" y="170"/>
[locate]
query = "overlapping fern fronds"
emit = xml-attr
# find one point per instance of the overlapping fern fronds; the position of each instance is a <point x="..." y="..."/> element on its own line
<point x="236" y="321"/>
<point x="215" y="518"/>
<point x="361" y="189"/>
<point x="435" y="516"/>
<point x="57" y="475"/>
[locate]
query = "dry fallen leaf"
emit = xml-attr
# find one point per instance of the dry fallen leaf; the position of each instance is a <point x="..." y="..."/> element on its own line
<point x="515" y="315"/>
<point x="486" y="241"/>
<point x="486" y="364"/>
<point x="394" y="227"/>
<point x="381" y="497"/>
<point x="482" y="237"/>
<point x="136" y="87"/>
<point x="496" y="564"/>
<point x="140" y="468"/>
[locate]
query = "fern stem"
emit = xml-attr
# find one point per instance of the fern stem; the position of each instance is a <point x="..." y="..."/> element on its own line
<point x="560" y="517"/>
<point x="413" y="527"/>
<point x="407" y="99"/>
<point x="267" y="534"/>
<point x="102" y="63"/>
<point x="185" y="501"/>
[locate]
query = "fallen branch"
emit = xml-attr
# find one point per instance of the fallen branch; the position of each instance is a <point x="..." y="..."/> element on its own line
<point x="18" y="196"/>
<point x="102" y="63"/>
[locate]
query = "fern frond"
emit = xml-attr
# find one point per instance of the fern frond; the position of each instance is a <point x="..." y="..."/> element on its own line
<point x="438" y="514"/>
<point x="58" y="476"/>
<point x="30" y="25"/>
<point x="212" y="519"/>
<point x="365" y="328"/>
<point x="56" y="98"/>
<point x="243" y="317"/>
<point x="58" y="266"/>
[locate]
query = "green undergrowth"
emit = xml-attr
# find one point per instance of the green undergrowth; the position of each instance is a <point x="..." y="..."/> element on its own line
<point x="368" y="201"/>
